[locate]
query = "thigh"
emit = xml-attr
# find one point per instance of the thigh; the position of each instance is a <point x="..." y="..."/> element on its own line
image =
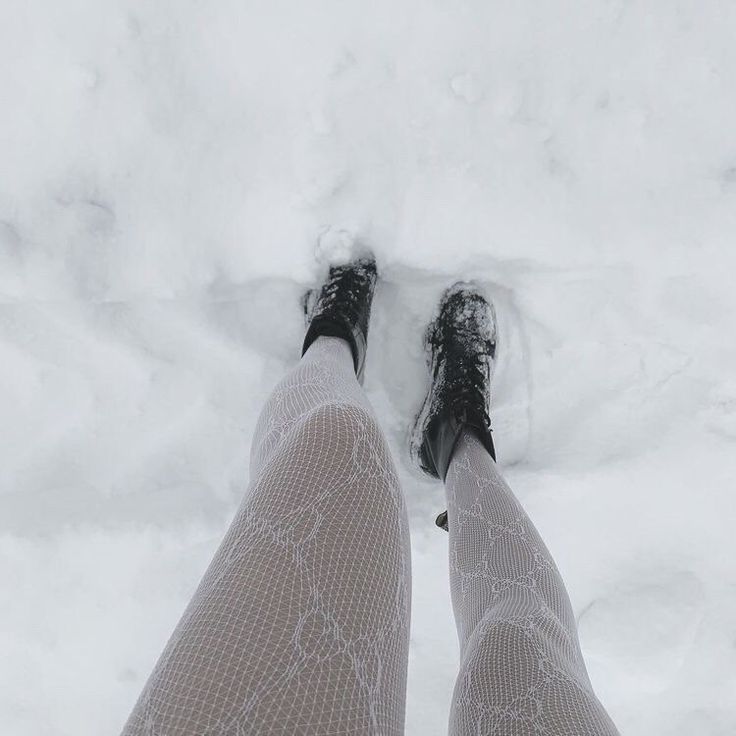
<point x="300" y="625"/>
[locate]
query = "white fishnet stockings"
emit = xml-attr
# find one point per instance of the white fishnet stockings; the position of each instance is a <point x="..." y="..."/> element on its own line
<point x="521" y="670"/>
<point x="301" y="623"/>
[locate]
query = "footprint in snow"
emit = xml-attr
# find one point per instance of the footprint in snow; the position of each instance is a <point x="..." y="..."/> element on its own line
<point x="647" y="625"/>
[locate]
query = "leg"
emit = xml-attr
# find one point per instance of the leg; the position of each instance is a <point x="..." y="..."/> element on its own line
<point x="521" y="669"/>
<point x="301" y="623"/>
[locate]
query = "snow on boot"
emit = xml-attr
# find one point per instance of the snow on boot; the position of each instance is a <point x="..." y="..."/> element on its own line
<point x="461" y="347"/>
<point x="342" y="307"/>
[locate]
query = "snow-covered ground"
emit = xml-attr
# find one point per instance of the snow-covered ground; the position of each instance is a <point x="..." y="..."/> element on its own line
<point x="167" y="170"/>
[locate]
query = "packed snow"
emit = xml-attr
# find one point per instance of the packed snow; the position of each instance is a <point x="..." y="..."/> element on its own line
<point x="172" y="174"/>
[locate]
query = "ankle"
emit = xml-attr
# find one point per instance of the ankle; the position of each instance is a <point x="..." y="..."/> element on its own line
<point x="334" y="348"/>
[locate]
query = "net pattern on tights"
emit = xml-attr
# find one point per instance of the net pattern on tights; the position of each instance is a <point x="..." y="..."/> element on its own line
<point x="522" y="671"/>
<point x="301" y="623"/>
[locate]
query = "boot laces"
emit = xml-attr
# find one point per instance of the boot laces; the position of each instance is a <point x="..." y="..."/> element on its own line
<point x="344" y="291"/>
<point x="466" y="375"/>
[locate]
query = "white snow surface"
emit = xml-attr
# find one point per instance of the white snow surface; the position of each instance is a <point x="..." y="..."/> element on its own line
<point x="172" y="173"/>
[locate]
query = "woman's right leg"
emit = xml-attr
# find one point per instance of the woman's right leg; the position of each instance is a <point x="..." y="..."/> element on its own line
<point x="521" y="671"/>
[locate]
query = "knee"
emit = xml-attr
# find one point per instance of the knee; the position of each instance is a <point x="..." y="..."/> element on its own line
<point x="510" y="654"/>
<point x="522" y="676"/>
<point x="333" y="444"/>
<point x="499" y="670"/>
<point x="330" y="428"/>
<point x="498" y="649"/>
<point x="351" y="416"/>
<point x="342" y="430"/>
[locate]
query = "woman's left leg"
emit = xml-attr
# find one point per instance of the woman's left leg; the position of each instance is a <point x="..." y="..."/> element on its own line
<point x="301" y="622"/>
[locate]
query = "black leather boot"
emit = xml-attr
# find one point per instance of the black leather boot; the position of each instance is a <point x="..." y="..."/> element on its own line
<point x="342" y="307"/>
<point x="461" y="346"/>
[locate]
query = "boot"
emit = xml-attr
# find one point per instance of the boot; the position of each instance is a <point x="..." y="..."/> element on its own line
<point x="461" y="348"/>
<point x="342" y="307"/>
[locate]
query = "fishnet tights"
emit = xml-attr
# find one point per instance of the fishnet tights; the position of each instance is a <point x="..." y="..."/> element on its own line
<point x="301" y="623"/>
<point x="521" y="670"/>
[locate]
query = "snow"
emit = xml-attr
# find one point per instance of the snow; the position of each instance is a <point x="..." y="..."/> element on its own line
<point x="172" y="174"/>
